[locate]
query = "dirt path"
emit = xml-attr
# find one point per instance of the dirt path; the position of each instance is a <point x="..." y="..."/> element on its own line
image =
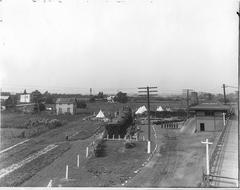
<point x="57" y="168"/>
<point x="178" y="161"/>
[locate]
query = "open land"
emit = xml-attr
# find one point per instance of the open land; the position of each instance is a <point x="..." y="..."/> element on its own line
<point x="177" y="158"/>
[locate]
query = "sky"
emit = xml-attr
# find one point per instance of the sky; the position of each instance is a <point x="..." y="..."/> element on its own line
<point x="70" y="46"/>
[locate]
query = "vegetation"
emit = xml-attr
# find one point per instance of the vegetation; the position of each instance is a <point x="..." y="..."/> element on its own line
<point x="121" y="97"/>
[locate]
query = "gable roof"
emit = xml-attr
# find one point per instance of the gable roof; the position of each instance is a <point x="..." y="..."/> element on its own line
<point x="210" y="107"/>
<point x="66" y="101"/>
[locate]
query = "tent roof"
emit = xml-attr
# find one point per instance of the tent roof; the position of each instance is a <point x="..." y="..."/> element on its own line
<point x="141" y="110"/>
<point x="160" y="108"/>
<point x="100" y="114"/>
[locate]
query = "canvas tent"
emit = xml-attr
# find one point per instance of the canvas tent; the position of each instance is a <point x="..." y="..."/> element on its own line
<point x="141" y="110"/>
<point x="168" y="109"/>
<point x="100" y="114"/>
<point x="160" y="108"/>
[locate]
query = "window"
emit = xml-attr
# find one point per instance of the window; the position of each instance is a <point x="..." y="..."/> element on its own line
<point x="202" y="127"/>
<point x="60" y="110"/>
<point x="209" y="113"/>
<point x="68" y="110"/>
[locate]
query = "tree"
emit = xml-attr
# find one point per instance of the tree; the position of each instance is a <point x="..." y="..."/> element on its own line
<point x="37" y="98"/>
<point x="10" y="102"/>
<point x="100" y="95"/>
<point x="81" y="104"/>
<point x="48" y="98"/>
<point x="121" y="97"/>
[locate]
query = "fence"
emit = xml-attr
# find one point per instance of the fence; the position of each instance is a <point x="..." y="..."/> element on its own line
<point x="171" y="125"/>
<point x="214" y="153"/>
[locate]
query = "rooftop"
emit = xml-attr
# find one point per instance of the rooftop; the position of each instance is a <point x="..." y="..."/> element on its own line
<point x="210" y="107"/>
<point x="65" y="100"/>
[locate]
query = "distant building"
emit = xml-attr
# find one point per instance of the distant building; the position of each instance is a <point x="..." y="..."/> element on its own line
<point x="209" y="117"/>
<point x="66" y="105"/>
<point x="194" y="98"/>
<point x="3" y="98"/>
<point x="110" y="99"/>
<point x="25" y="98"/>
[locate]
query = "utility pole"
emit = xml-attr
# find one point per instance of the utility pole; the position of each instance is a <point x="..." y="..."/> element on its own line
<point x="224" y="93"/>
<point x="147" y="91"/>
<point x="238" y="90"/>
<point x="187" y="103"/>
<point x="188" y="90"/>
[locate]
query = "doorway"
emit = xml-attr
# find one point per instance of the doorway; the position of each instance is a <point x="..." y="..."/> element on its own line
<point x="202" y="127"/>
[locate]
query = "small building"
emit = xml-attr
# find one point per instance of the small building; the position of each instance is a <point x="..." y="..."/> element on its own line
<point x="66" y="105"/>
<point x="25" y="98"/>
<point x="210" y="116"/>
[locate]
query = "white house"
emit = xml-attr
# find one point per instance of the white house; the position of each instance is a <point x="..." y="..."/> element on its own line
<point x="66" y="105"/>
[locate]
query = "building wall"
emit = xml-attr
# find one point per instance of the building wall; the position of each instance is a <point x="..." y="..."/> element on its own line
<point x="25" y="98"/>
<point x="64" y="107"/>
<point x="210" y="123"/>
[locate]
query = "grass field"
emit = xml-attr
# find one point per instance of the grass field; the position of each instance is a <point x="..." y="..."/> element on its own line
<point x="111" y="169"/>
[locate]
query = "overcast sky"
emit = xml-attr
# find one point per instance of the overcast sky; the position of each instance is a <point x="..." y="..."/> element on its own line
<point x="110" y="45"/>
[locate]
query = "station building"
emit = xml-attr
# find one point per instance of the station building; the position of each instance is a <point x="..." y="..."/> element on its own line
<point x="210" y="116"/>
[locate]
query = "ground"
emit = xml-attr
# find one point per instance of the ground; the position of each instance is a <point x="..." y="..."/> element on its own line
<point x="176" y="159"/>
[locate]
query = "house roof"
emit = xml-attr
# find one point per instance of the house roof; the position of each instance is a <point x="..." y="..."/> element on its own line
<point x="210" y="107"/>
<point x="65" y="101"/>
<point x="83" y="99"/>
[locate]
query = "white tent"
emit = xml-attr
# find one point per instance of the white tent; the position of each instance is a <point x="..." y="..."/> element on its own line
<point x="168" y="109"/>
<point x="141" y="110"/>
<point x="160" y="108"/>
<point x="100" y="114"/>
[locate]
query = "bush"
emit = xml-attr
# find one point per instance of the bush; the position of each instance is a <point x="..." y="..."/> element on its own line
<point x="81" y="104"/>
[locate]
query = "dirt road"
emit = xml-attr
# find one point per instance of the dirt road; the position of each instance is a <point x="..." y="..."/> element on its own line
<point x="178" y="161"/>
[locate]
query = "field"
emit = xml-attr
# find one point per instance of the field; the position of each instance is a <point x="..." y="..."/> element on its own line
<point x="73" y="126"/>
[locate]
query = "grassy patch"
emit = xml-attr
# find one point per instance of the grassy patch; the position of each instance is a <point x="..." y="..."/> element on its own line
<point x="112" y="168"/>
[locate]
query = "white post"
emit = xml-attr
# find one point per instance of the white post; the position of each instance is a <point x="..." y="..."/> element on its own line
<point x="119" y="137"/>
<point x="224" y="120"/>
<point x="107" y="137"/>
<point x="207" y="155"/>
<point x="78" y="160"/>
<point x="149" y="147"/>
<point x="50" y="183"/>
<point x="87" y="152"/>
<point x="66" y="172"/>
<point x="143" y="138"/>
<point x="113" y="136"/>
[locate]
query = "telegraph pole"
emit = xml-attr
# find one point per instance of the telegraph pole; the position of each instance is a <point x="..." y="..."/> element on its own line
<point x="238" y="89"/>
<point x="188" y="90"/>
<point x="187" y="103"/>
<point x="148" y="91"/>
<point x="224" y="93"/>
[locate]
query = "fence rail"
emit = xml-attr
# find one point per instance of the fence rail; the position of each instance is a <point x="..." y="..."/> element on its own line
<point x="213" y="155"/>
